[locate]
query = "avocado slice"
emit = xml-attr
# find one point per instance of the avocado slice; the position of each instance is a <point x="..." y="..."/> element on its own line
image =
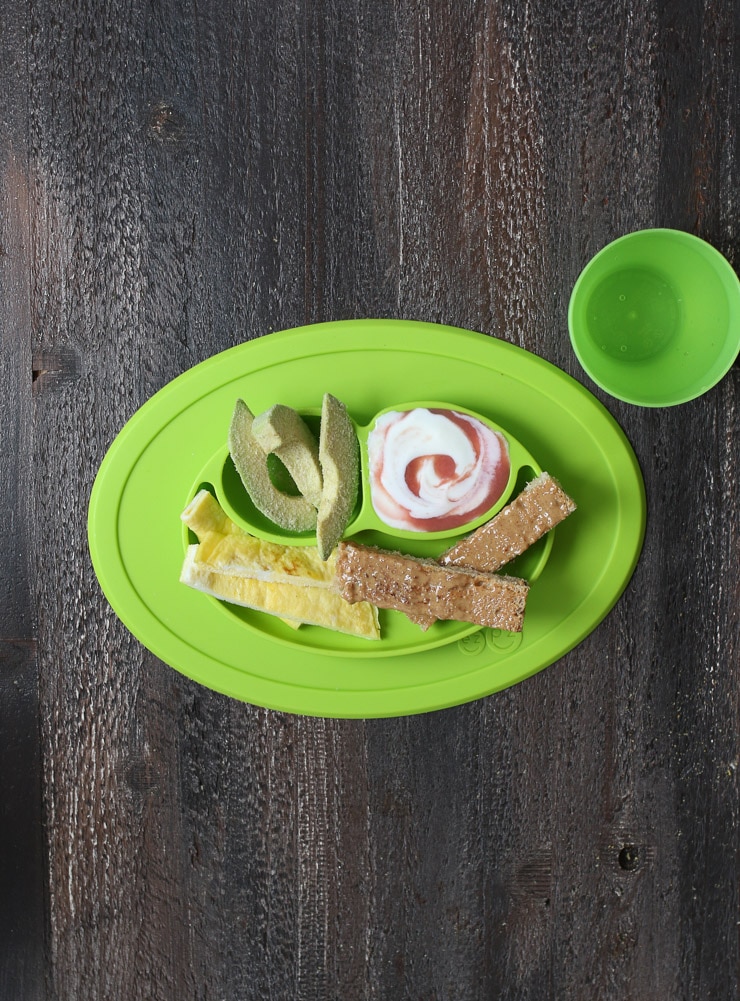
<point x="291" y="512"/>
<point x="339" y="455"/>
<point x="281" y="431"/>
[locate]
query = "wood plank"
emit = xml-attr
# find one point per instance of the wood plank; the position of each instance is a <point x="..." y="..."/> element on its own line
<point x="113" y="283"/>
<point x="22" y="878"/>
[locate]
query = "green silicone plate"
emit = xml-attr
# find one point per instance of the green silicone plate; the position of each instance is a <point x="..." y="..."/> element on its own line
<point x="157" y="461"/>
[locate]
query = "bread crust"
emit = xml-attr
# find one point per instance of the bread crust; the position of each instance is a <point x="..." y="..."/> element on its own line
<point x="425" y="591"/>
<point x="541" y="506"/>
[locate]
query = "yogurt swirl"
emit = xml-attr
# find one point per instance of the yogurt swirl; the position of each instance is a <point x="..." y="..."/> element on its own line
<point x="432" y="470"/>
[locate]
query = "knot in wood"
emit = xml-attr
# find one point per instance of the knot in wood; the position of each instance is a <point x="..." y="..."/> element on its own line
<point x="166" y="123"/>
<point x="629" y="858"/>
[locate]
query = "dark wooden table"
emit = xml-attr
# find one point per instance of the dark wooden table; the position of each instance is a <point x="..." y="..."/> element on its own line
<point x="178" y="178"/>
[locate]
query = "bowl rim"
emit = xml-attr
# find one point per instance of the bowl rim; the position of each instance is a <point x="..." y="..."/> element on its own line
<point x="722" y="265"/>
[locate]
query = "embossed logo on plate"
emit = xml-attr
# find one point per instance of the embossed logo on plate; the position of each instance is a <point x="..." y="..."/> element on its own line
<point x="497" y="640"/>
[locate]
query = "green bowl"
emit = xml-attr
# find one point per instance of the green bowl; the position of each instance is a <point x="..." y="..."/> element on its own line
<point x="654" y="317"/>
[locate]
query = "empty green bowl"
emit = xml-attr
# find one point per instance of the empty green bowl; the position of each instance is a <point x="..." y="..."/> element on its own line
<point x="654" y="317"/>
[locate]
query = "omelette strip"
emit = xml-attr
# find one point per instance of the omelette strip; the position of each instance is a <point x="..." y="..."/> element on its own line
<point x="310" y="605"/>
<point x="226" y="547"/>
<point x="291" y="582"/>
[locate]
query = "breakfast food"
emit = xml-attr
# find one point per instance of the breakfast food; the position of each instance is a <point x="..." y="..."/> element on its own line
<point x="290" y="582"/>
<point x="339" y="456"/>
<point x="281" y="431"/>
<point x="435" y="469"/>
<point x="541" y="506"/>
<point x="426" y="591"/>
<point x="290" y="511"/>
<point x="225" y="545"/>
<point x="430" y="469"/>
<point x="204" y="515"/>
<point x="309" y="605"/>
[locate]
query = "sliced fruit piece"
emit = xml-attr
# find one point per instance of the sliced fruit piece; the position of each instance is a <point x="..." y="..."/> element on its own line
<point x="281" y="431"/>
<point x="339" y="454"/>
<point x="293" y="513"/>
<point x="310" y="605"/>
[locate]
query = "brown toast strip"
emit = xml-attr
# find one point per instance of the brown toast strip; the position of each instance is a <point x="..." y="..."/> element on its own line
<point x="542" y="505"/>
<point x="425" y="591"/>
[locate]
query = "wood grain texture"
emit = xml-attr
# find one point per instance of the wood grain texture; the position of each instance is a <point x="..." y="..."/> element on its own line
<point x="22" y="901"/>
<point x="179" y="178"/>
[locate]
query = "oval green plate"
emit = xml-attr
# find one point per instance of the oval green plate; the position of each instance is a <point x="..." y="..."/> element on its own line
<point x="147" y="477"/>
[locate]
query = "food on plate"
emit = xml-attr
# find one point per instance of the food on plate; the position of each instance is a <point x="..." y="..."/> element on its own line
<point x="204" y="514"/>
<point x="339" y="455"/>
<point x="541" y="506"/>
<point x="426" y="591"/>
<point x="225" y="545"/>
<point x="290" y="582"/>
<point x="327" y="473"/>
<point x="310" y="605"/>
<point x="430" y="469"/>
<point x="281" y="431"/>
<point x="435" y="469"/>
<point x="290" y="511"/>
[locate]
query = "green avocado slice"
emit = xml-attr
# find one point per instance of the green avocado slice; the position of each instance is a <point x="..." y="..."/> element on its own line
<point x="339" y="454"/>
<point x="291" y="512"/>
<point x="281" y="431"/>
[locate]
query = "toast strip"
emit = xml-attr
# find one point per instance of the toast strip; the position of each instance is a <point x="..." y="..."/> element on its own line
<point x="542" y="505"/>
<point x="425" y="591"/>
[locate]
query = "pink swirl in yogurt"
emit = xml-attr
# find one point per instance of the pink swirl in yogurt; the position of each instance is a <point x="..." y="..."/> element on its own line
<point x="432" y="470"/>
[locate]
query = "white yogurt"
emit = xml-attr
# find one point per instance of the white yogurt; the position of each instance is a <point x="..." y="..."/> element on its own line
<point x="433" y="470"/>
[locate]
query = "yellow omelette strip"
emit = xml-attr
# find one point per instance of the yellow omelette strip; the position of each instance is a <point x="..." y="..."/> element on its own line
<point x="226" y="547"/>
<point x="314" y="606"/>
<point x="227" y="552"/>
<point x="204" y="514"/>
